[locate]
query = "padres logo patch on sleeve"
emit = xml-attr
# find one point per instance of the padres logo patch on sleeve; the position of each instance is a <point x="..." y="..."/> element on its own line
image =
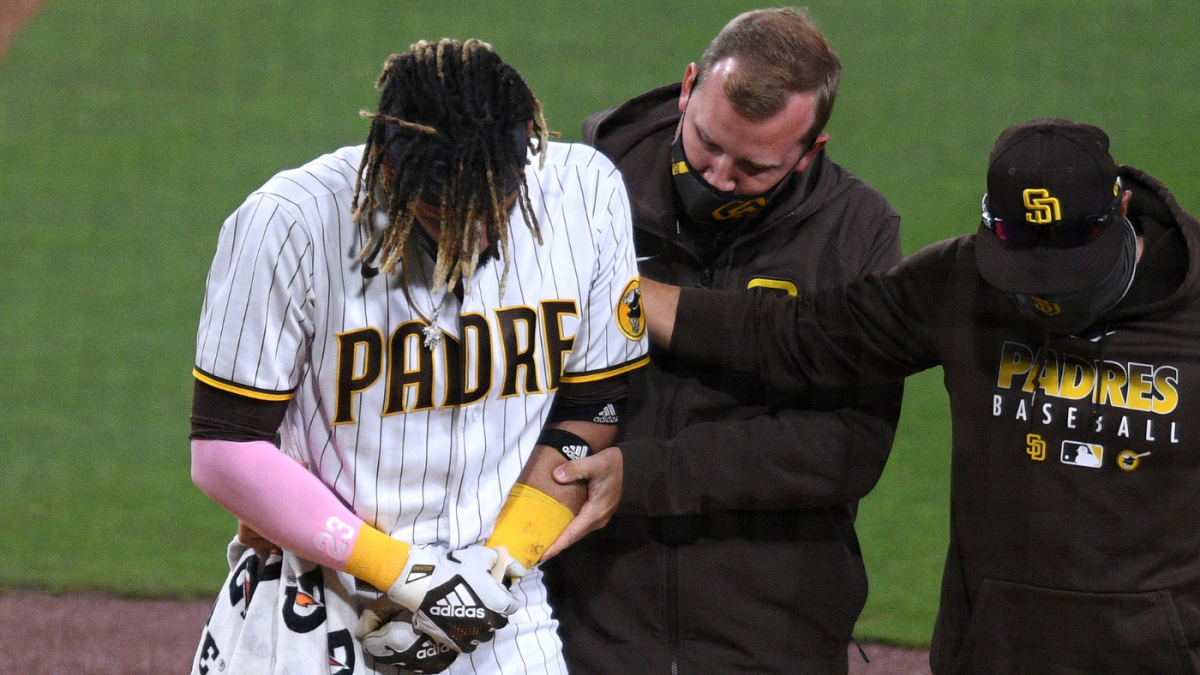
<point x="629" y="311"/>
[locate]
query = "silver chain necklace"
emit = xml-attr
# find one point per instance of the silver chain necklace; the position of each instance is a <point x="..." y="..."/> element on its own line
<point x="433" y="332"/>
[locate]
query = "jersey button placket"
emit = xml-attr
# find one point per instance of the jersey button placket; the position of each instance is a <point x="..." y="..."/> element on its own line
<point x="460" y="433"/>
<point x="455" y="475"/>
<point x="471" y="429"/>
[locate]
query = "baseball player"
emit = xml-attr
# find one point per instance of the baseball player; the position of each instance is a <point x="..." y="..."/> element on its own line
<point x="397" y="340"/>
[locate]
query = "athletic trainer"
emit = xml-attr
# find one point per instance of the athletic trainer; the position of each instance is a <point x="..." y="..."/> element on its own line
<point x="736" y="510"/>
<point x="1068" y="328"/>
<point x="397" y="339"/>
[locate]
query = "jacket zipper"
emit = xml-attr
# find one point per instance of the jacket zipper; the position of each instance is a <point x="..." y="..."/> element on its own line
<point x="672" y="607"/>
<point x="671" y="569"/>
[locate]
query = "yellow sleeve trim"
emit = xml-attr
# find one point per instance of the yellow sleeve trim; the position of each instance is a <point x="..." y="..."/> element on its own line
<point x="377" y="558"/>
<point x="529" y="522"/>
<point x="241" y="391"/>
<point x="592" y="377"/>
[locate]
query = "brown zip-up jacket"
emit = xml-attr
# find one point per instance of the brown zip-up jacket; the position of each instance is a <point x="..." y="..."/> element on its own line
<point x="734" y="550"/>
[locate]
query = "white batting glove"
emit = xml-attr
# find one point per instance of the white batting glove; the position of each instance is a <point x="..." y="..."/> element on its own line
<point x="454" y="597"/>
<point x="397" y="644"/>
<point x="386" y="632"/>
<point x="507" y="566"/>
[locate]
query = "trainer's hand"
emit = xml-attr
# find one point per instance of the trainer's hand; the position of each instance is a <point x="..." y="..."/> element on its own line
<point x="604" y="473"/>
<point x="453" y="596"/>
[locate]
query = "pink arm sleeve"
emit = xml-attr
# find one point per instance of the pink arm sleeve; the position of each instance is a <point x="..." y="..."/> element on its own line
<point x="278" y="497"/>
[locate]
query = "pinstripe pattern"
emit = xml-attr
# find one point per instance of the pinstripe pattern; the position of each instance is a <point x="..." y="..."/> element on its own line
<point x="284" y="284"/>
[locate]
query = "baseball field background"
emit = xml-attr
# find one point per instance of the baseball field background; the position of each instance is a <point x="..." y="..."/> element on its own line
<point x="129" y="130"/>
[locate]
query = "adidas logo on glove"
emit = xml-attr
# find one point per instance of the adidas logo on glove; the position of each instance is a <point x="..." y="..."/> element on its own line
<point x="457" y="612"/>
<point x="432" y="650"/>
<point x="446" y="606"/>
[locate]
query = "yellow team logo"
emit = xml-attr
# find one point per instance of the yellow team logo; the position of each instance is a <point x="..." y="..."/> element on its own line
<point x="1042" y="207"/>
<point x="1035" y="447"/>
<point x="1045" y="306"/>
<point x="629" y="311"/>
<point x="728" y="209"/>
<point x="777" y="284"/>
<point x="739" y="209"/>
<point x="1128" y="460"/>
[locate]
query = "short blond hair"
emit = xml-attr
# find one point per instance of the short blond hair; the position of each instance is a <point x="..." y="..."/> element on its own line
<point x="779" y="51"/>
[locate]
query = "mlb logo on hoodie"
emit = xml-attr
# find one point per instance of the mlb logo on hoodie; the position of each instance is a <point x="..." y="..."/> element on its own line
<point x="1082" y="454"/>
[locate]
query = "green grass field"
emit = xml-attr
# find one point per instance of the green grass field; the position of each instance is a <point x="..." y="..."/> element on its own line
<point x="128" y="131"/>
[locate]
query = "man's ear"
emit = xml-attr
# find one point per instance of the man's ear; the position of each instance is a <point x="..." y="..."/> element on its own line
<point x="689" y="82"/>
<point x="1125" y="202"/>
<point x="817" y="147"/>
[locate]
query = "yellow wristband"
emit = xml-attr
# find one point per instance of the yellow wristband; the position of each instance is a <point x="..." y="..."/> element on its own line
<point x="528" y="523"/>
<point x="377" y="558"/>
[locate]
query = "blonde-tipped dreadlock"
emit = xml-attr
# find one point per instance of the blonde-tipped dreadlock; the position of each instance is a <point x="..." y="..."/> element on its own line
<point x="452" y="126"/>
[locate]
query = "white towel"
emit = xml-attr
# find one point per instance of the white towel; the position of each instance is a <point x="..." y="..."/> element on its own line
<point x="287" y="616"/>
<point x="279" y="616"/>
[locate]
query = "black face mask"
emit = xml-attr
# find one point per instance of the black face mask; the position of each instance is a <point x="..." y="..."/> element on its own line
<point x="710" y="208"/>
<point x="704" y="204"/>
<point x="1071" y="313"/>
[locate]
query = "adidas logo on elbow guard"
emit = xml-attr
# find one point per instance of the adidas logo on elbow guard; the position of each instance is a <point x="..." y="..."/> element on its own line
<point x="575" y="451"/>
<point x="608" y="415"/>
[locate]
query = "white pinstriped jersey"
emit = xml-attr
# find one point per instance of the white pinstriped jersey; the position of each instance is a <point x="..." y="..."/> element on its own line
<point x="423" y="444"/>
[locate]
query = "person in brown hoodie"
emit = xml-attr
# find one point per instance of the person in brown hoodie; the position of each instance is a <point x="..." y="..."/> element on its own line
<point x="1067" y="327"/>
<point x="734" y="548"/>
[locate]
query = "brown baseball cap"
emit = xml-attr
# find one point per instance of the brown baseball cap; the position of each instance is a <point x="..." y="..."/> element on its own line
<point x="1042" y="174"/>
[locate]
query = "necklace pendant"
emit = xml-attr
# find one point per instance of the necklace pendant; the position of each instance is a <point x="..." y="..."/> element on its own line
<point x="433" y="336"/>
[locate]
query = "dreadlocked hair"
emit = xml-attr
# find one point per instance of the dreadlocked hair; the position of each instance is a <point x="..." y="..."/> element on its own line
<point x="452" y="121"/>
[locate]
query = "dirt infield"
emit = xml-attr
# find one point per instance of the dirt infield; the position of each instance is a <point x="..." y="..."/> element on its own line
<point x="90" y="634"/>
<point x="95" y="635"/>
